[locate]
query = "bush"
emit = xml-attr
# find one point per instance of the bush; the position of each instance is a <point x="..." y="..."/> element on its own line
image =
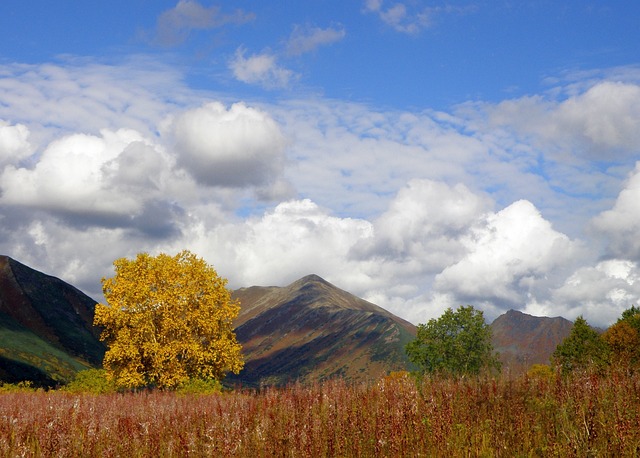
<point x="20" y="387"/>
<point x="200" y="386"/>
<point x="92" y="381"/>
<point x="540" y="372"/>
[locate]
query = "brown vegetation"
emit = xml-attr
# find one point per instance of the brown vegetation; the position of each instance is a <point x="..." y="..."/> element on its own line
<point x="542" y="415"/>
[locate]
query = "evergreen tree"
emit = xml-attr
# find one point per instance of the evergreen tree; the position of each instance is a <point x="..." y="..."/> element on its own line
<point x="582" y="349"/>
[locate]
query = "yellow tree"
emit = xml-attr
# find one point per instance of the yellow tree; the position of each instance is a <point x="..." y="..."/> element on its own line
<point x="623" y="339"/>
<point x="168" y="319"/>
<point x="624" y="343"/>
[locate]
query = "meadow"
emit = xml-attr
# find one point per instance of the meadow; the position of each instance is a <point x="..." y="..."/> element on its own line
<point x="583" y="415"/>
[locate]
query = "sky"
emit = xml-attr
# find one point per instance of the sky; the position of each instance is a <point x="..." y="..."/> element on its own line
<point x="419" y="154"/>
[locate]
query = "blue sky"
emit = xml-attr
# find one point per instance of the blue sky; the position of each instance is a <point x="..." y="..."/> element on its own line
<point x="419" y="154"/>
<point x="461" y="50"/>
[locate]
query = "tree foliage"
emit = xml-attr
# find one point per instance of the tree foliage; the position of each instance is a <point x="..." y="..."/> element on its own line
<point x="168" y="319"/>
<point x="457" y="343"/>
<point x="582" y="349"/>
<point x="623" y="339"/>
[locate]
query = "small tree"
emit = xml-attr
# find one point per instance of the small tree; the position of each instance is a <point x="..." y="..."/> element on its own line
<point x="457" y="343"/>
<point x="623" y="339"/>
<point x="582" y="349"/>
<point x="167" y="319"/>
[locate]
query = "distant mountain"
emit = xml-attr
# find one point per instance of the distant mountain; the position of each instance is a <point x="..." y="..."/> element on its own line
<point x="312" y="330"/>
<point x="523" y="340"/>
<point x="46" y="327"/>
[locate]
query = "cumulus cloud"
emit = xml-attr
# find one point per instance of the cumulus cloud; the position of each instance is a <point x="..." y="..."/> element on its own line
<point x="236" y="147"/>
<point x="621" y="224"/>
<point x="261" y="69"/>
<point x="436" y="246"/>
<point x="175" y="24"/>
<point x="425" y="221"/>
<point x="307" y="39"/>
<point x="294" y="239"/>
<point x="14" y="143"/>
<point x="78" y="255"/>
<point x="105" y="180"/>
<point x="600" y="293"/>
<point x="602" y="122"/>
<point x="511" y="254"/>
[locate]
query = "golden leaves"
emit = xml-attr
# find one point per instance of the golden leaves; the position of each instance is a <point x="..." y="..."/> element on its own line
<point x="168" y="319"/>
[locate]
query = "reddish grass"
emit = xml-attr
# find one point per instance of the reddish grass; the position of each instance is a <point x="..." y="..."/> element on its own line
<point x="583" y="416"/>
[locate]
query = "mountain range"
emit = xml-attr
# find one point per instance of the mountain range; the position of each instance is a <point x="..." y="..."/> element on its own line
<point x="307" y="331"/>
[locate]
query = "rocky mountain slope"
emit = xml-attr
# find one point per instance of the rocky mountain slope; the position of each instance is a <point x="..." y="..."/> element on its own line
<point x="312" y="330"/>
<point x="46" y="331"/>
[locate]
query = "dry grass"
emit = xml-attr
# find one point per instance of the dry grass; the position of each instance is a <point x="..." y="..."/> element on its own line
<point x="583" y="416"/>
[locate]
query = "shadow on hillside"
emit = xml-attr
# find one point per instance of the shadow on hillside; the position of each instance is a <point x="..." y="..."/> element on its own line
<point x="296" y="362"/>
<point x="12" y="371"/>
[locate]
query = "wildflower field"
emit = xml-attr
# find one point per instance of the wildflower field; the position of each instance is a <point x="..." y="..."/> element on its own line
<point x="581" y="415"/>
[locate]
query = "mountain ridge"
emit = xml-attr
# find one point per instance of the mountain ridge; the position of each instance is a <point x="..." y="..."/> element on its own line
<point x="313" y="329"/>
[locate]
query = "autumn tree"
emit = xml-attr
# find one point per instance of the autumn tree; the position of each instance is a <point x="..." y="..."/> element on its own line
<point x="457" y="343"/>
<point x="623" y="339"/>
<point x="582" y="349"/>
<point x="168" y="319"/>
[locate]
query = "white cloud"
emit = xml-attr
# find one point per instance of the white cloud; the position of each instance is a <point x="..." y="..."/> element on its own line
<point x="84" y="96"/>
<point x="399" y="17"/>
<point x="307" y="39"/>
<point x="294" y="239"/>
<point x="236" y="147"/>
<point x="175" y="24"/>
<point x="621" y="224"/>
<point x="600" y="293"/>
<point x="601" y="123"/>
<point x="425" y="222"/>
<point x="510" y="254"/>
<point x="261" y="69"/>
<point x="412" y="210"/>
<point x="14" y="143"/>
<point x="431" y="231"/>
<point x="115" y="179"/>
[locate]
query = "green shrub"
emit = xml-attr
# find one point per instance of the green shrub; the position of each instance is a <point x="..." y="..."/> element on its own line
<point x="19" y="387"/>
<point x="200" y="386"/>
<point x="93" y="381"/>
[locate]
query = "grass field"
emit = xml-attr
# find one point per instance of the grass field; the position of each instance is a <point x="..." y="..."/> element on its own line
<point x="582" y="416"/>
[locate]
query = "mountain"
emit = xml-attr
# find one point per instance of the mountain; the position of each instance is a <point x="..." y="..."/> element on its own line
<point x="46" y="327"/>
<point x="312" y="330"/>
<point x="523" y="340"/>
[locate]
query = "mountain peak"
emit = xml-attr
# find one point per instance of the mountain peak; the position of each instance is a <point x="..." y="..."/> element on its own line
<point x="313" y="330"/>
<point x="523" y="339"/>
<point x="309" y="281"/>
<point x="312" y="278"/>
